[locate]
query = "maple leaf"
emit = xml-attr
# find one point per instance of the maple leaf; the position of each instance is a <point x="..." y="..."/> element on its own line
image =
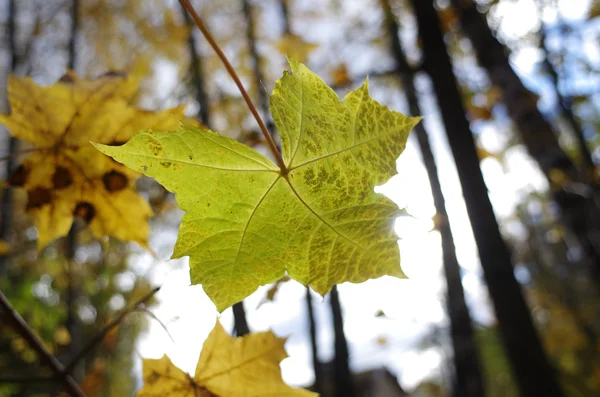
<point x="66" y="177"/>
<point x="273" y="290"/>
<point x="247" y="222"/>
<point x="295" y="47"/>
<point x="228" y="367"/>
<point x="340" y="76"/>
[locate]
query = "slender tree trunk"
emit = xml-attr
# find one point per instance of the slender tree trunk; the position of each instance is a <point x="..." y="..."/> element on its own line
<point x="580" y="212"/>
<point x="197" y="73"/>
<point x="344" y="385"/>
<point x="318" y="385"/>
<point x="532" y="370"/>
<point x="468" y="379"/>
<point x="239" y="316"/>
<point x="73" y="322"/>
<point x="6" y="221"/>
<point x="565" y="108"/>
<point x="263" y="99"/>
<point x="285" y="11"/>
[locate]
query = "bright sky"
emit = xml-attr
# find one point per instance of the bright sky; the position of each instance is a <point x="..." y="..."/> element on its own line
<point x="412" y="306"/>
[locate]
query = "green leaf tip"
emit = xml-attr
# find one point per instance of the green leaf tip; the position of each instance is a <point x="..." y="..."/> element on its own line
<point x="246" y="224"/>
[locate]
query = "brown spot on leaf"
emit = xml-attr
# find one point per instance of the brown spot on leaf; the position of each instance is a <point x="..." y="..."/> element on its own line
<point x="62" y="178"/>
<point x="19" y="176"/>
<point x="38" y="197"/>
<point x="152" y="378"/>
<point x="203" y="392"/>
<point x="113" y="73"/>
<point x="116" y="143"/>
<point x="67" y="78"/>
<point x="115" y="181"/>
<point x="85" y="211"/>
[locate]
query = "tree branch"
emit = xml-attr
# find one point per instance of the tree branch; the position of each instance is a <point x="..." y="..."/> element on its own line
<point x="91" y="345"/>
<point x="23" y="329"/>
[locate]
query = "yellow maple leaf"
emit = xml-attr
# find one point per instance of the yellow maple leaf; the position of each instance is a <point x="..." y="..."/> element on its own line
<point x="340" y="75"/>
<point x="272" y="291"/>
<point x="4" y="248"/>
<point x="295" y="47"/>
<point x="66" y="177"/>
<point x="228" y="367"/>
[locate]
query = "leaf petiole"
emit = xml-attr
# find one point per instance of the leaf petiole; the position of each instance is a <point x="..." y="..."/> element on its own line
<point x="206" y="33"/>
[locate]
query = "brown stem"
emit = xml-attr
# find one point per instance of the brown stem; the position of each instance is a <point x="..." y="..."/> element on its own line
<point x="23" y="329"/>
<point x="203" y="28"/>
<point x="107" y="328"/>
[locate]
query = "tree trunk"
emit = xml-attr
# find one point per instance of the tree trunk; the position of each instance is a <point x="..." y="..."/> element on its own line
<point x="579" y="210"/>
<point x="566" y="109"/>
<point x="532" y="370"/>
<point x="239" y="318"/>
<point x="468" y="379"/>
<point x="197" y="73"/>
<point x="341" y="369"/>
<point x="318" y="384"/>
<point x="73" y="322"/>
<point x="263" y="99"/>
<point x="11" y="160"/>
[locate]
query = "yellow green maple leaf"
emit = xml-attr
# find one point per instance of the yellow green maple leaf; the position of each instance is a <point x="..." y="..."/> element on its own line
<point x="65" y="176"/>
<point x="247" y="221"/>
<point x="228" y="367"/>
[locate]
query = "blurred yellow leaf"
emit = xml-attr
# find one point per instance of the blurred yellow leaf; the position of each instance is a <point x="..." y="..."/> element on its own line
<point x="448" y="18"/>
<point x="483" y="153"/>
<point x="62" y="336"/>
<point x="95" y="378"/>
<point x="271" y="292"/>
<point x="479" y="112"/>
<point x="228" y="367"/>
<point x="558" y="178"/>
<point x="380" y="313"/>
<point x="381" y="340"/>
<point x="295" y="47"/>
<point x="4" y="248"/>
<point x="493" y="95"/>
<point x="340" y="75"/>
<point x="67" y="177"/>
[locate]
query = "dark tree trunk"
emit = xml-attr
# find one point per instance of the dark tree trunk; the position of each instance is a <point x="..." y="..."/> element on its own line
<point x="312" y="324"/>
<point x="468" y="379"/>
<point x="263" y="99"/>
<point x="341" y="369"/>
<point x="239" y="317"/>
<point x="197" y="73"/>
<point x="565" y="108"/>
<point x="73" y="322"/>
<point x="11" y="160"/>
<point x="579" y="209"/>
<point x="286" y="16"/>
<point x="532" y="370"/>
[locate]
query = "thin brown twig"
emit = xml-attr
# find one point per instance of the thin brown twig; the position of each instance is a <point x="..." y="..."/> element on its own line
<point x="91" y="345"/>
<point x="164" y="327"/>
<point x="25" y="331"/>
<point x="204" y="29"/>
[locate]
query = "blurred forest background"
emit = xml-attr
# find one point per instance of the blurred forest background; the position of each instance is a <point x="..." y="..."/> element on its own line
<point x="501" y="240"/>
